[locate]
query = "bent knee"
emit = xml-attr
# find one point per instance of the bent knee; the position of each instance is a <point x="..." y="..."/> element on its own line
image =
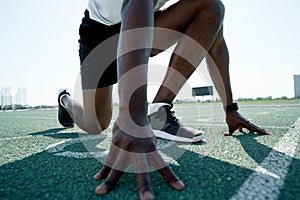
<point x="218" y="8"/>
<point x="94" y="127"/>
<point x="104" y="125"/>
<point x="212" y="10"/>
<point x="95" y="124"/>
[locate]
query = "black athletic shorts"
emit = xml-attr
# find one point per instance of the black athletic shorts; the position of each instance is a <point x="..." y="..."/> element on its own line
<point x="97" y="58"/>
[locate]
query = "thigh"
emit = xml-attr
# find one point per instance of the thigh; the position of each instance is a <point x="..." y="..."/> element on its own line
<point x="98" y="52"/>
<point x="176" y="18"/>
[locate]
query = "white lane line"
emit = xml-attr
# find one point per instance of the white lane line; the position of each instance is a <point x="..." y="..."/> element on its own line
<point x="58" y="148"/>
<point x="28" y="136"/>
<point x="22" y="117"/>
<point x="268" y="178"/>
<point x="71" y="154"/>
<point x="15" y="138"/>
<point x="277" y="127"/>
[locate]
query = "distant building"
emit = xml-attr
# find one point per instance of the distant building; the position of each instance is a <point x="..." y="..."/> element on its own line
<point x="6" y="97"/>
<point x="7" y="100"/>
<point x="297" y="85"/>
<point x="21" y="96"/>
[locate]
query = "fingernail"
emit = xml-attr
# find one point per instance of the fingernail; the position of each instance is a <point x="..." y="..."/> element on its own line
<point x="147" y="196"/>
<point x="178" y="185"/>
<point x="101" y="189"/>
<point x="97" y="176"/>
<point x="227" y="134"/>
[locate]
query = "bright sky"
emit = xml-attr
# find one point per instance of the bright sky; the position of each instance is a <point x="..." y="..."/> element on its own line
<point x="39" y="48"/>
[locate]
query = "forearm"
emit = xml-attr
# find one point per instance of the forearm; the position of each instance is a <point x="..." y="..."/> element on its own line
<point x="133" y="54"/>
<point x="218" y="65"/>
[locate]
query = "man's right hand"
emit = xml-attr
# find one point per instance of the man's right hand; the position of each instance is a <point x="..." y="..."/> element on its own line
<point x="140" y="152"/>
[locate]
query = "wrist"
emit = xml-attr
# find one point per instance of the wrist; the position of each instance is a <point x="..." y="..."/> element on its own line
<point x="232" y="107"/>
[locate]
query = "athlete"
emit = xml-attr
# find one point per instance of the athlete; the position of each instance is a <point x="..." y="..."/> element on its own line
<point x="103" y="64"/>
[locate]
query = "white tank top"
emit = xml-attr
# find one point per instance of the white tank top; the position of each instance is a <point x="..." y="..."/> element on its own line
<point x="108" y="12"/>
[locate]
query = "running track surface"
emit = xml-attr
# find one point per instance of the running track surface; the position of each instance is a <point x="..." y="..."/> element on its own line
<point x="41" y="160"/>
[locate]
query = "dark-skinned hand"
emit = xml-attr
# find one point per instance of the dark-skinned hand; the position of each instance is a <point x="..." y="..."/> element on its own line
<point x="141" y="153"/>
<point x="236" y="121"/>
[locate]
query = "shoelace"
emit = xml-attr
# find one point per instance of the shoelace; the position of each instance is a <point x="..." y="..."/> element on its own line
<point x="171" y="118"/>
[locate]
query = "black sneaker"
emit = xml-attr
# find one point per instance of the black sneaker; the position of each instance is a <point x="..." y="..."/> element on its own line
<point x="64" y="117"/>
<point x="166" y="126"/>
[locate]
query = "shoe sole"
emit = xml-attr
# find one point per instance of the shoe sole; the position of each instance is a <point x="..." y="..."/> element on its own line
<point x="167" y="136"/>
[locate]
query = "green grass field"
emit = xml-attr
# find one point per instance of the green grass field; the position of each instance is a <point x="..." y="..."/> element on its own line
<point x="41" y="160"/>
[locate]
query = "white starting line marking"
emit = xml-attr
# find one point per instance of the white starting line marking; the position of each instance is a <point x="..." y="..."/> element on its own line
<point x="268" y="178"/>
<point x="15" y="138"/>
<point x="28" y="136"/>
<point x="58" y="148"/>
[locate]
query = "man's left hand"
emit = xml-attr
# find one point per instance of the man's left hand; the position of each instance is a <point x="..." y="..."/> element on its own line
<point x="236" y="121"/>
